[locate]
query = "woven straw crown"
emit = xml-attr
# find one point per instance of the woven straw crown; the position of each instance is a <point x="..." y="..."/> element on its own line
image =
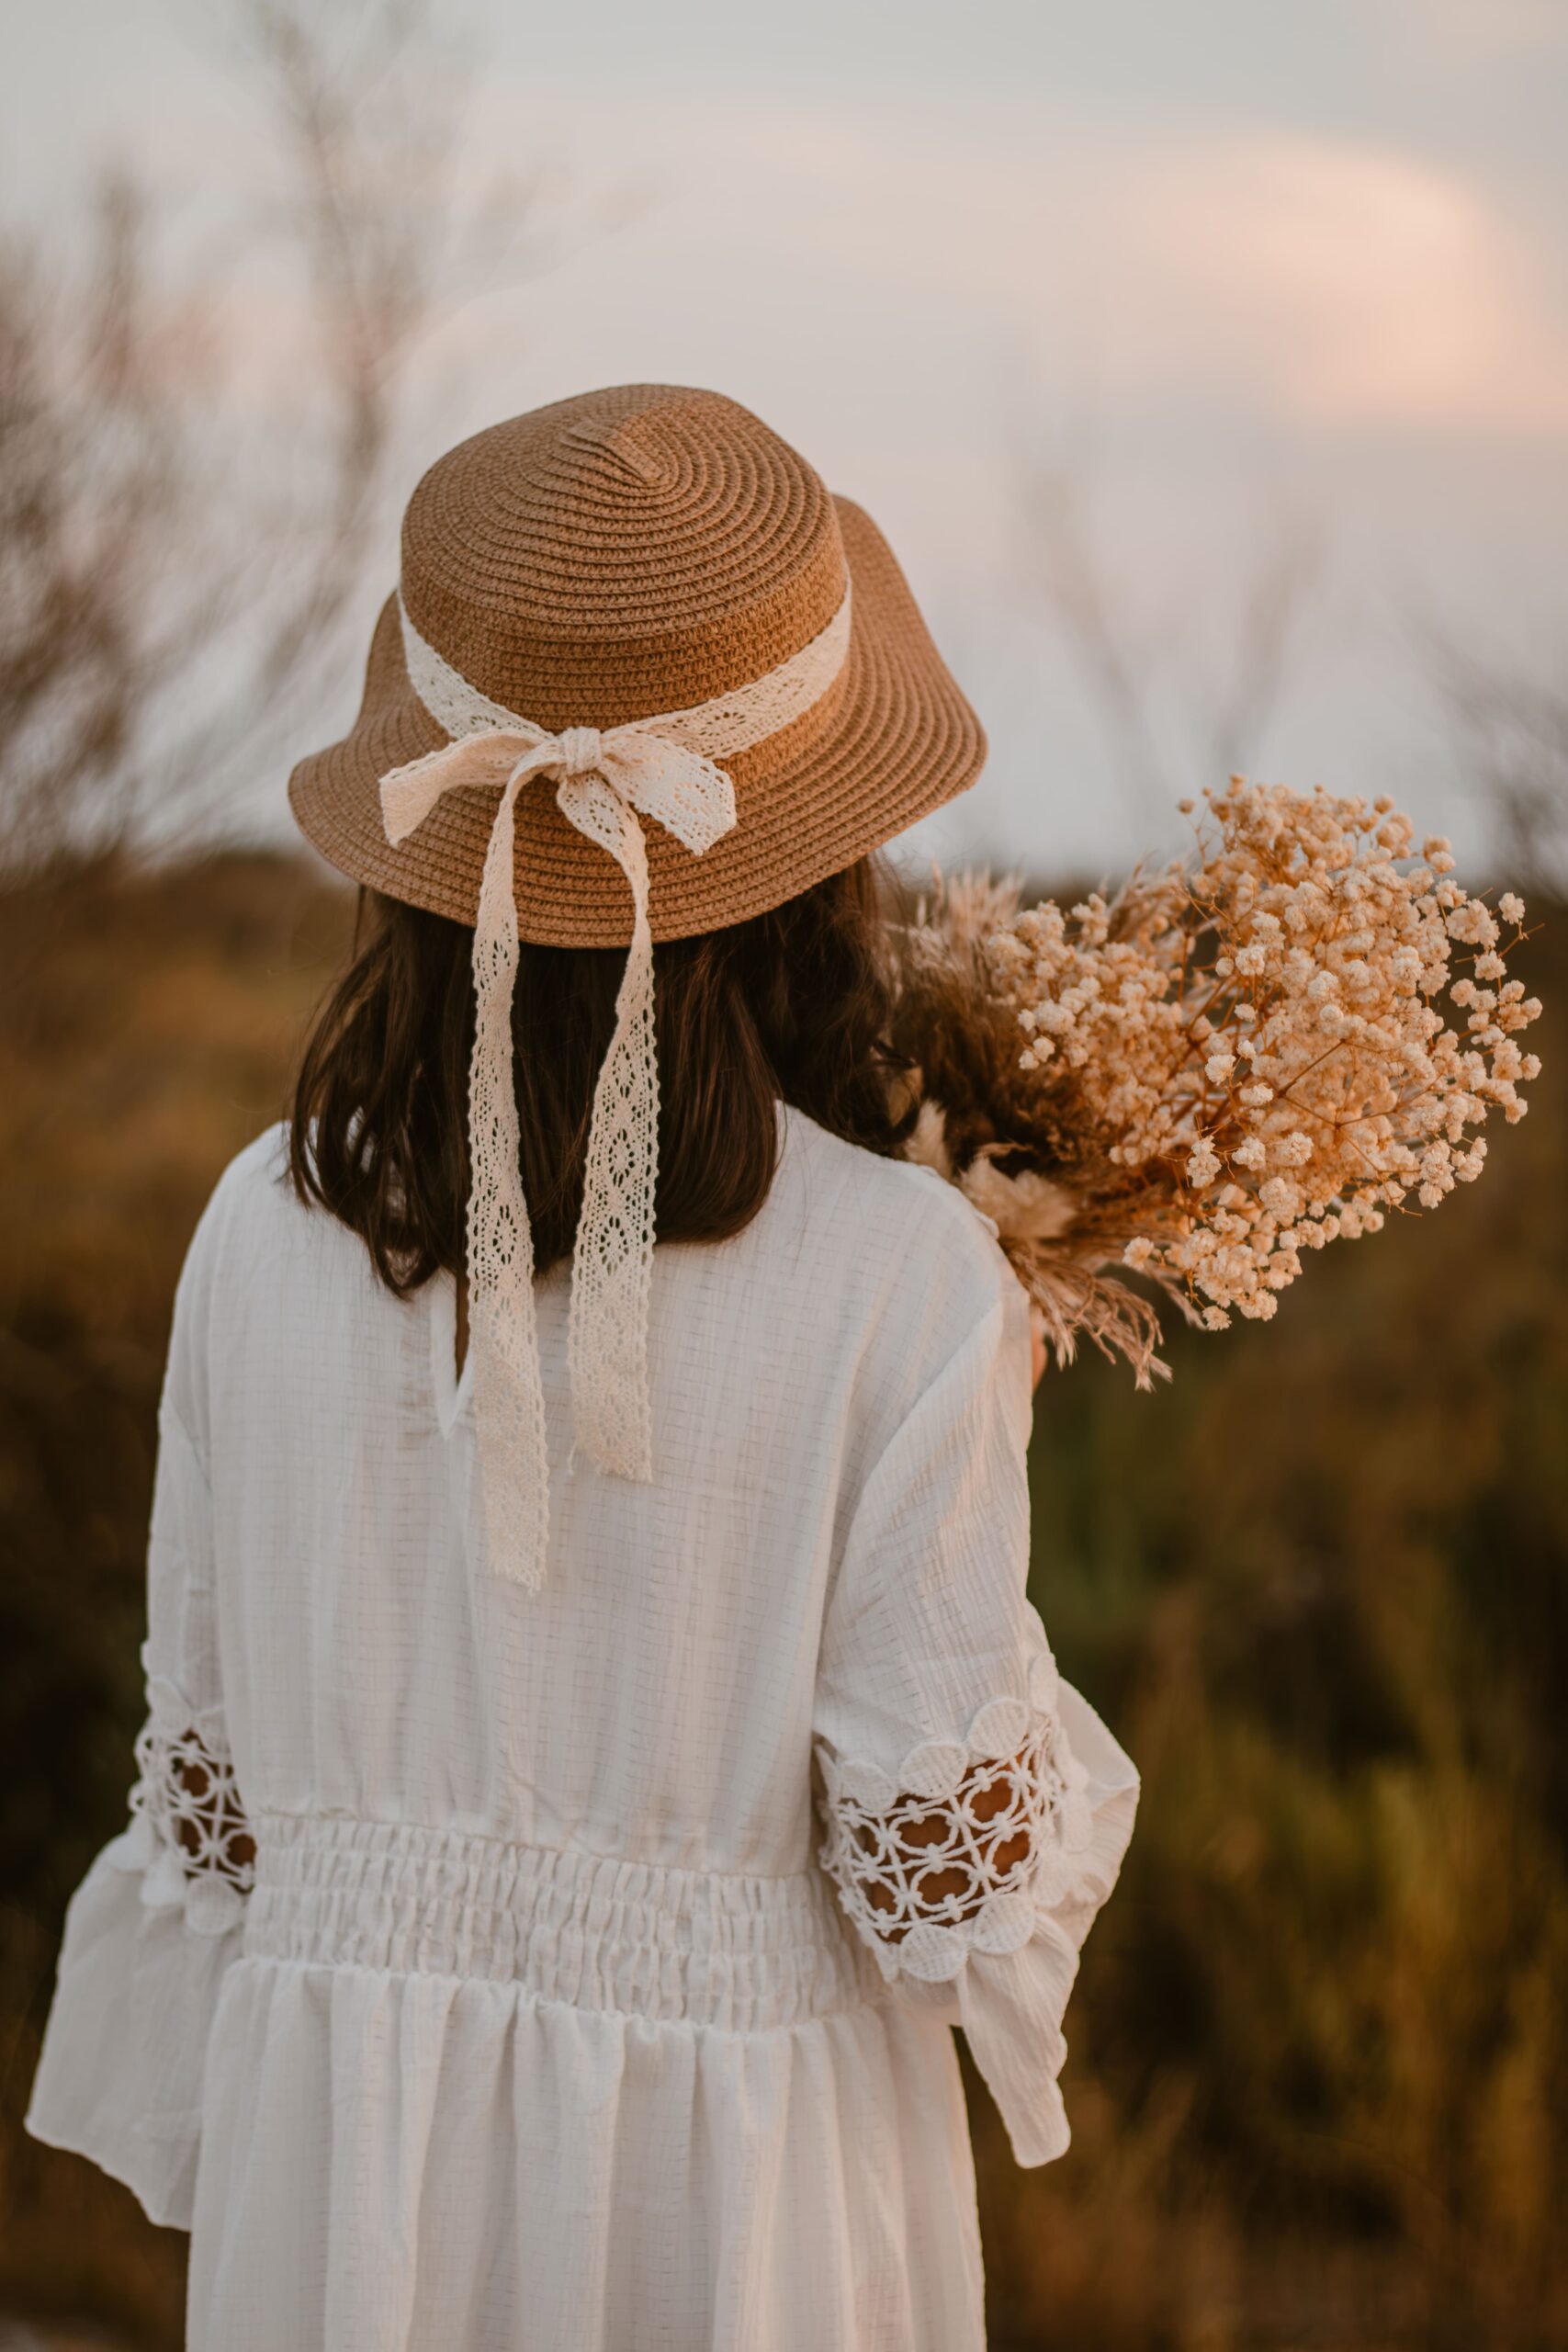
<point x="627" y="553"/>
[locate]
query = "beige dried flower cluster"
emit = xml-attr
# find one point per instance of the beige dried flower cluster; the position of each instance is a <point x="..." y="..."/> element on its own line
<point x="1253" y="1052"/>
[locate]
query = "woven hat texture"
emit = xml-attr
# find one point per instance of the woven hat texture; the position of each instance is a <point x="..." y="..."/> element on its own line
<point x="625" y="554"/>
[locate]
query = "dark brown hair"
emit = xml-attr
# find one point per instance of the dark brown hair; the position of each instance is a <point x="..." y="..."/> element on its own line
<point x="792" y="1006"/>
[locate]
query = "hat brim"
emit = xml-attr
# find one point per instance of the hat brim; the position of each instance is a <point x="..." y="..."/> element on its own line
<point x="892" y="739"/>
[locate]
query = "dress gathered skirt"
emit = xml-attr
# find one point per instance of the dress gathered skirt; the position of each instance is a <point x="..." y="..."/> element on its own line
<point x="576" y="1971"/>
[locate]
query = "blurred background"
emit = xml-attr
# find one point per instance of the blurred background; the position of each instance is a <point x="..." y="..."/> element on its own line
<point x="1208" y="367"/>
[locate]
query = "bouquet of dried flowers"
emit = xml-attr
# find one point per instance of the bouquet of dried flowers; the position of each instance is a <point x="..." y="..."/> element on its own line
<point x="1236" y="1058"/>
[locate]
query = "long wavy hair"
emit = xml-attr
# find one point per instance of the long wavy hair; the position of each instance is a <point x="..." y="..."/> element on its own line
<point x="792" y="1006"/>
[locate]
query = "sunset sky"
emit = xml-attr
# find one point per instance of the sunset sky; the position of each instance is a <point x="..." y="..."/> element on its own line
<point x="1260" y="292"/>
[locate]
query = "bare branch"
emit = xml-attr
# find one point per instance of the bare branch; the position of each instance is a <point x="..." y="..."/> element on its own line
<point x="1510" y="727"/>
<point x="1267" y="637"/>
<point x="1072" y="576"/>
<point x="175" y="587"/>
<point x="1115" y="664"/>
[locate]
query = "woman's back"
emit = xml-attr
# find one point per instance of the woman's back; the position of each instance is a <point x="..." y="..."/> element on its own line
<point x="654" y="1702"/>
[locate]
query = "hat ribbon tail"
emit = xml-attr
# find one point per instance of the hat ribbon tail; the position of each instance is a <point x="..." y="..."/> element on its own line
<point x="612" y="1268"/>
<point x="605" y="780"/>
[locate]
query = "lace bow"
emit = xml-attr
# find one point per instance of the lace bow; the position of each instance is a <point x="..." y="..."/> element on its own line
<point x="662" y="768"/>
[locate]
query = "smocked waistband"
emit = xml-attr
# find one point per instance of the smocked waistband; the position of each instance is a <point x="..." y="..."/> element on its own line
<point x="709" y="1946"/>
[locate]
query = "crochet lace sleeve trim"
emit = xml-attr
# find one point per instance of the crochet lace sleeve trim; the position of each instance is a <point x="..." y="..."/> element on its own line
<point x="188" y="1835"/>
<point x="961" y="1850"/>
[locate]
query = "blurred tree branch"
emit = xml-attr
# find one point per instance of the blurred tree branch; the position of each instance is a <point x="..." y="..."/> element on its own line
<point x="88" y="474"/>
<point x="1116" y="662"/>
<point x="174" y="588"/>
<point x="1511" y="727"/>
<point x="1071" y="578"/>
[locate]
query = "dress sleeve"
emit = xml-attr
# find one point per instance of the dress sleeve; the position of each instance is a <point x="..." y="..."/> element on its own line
<point x="157" y="1920"/>
<point x="976" y="1809"/>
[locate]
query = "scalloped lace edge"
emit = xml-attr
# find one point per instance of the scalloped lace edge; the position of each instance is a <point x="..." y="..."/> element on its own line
<point x="926" y="1876"/>
<point x="187" y="1825"/>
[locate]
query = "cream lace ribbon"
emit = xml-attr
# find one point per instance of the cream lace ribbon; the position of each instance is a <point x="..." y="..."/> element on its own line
<point x="664" y="768"/>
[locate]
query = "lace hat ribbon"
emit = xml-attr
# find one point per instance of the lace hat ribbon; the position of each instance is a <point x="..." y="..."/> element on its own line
<point x="664" y="768"/>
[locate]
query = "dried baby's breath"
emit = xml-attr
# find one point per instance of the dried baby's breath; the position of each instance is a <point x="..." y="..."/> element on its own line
<point x="1252" y="1053"/>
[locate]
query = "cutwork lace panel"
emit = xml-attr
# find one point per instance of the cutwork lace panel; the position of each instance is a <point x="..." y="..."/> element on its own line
<point x="188" y="1831"/>
<point x="959" y="1850"/>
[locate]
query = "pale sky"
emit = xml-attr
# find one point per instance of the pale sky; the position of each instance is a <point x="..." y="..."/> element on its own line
<point x="1248" y="280"/>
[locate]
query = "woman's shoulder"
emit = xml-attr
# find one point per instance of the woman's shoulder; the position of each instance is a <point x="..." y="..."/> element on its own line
<point x="256" y="1180"/>
<point x="891" y="1217"/>
<point x="894" y="1267"/>
<point x="252" y="1212"/>
<point x="262" y="1165"/>
<point x="231" y="1269"/>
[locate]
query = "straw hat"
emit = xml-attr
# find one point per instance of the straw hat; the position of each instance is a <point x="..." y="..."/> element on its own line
<point x="638" y="605"/>
<point x="632" y="552"/>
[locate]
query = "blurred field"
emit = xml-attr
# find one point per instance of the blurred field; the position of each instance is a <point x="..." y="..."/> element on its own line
<point x="1320" y="2049"/>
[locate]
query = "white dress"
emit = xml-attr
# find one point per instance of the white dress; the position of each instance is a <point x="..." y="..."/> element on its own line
<point x="591" y="1989"/>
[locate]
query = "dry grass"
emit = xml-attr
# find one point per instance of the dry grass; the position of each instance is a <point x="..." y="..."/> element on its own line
<point x="1319" y="2049"/>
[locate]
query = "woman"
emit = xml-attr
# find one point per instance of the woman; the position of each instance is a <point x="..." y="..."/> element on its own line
<point x="598" y="1742"/>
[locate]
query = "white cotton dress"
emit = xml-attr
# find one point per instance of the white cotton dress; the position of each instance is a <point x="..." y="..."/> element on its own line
<point x="591" y="1988"/>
